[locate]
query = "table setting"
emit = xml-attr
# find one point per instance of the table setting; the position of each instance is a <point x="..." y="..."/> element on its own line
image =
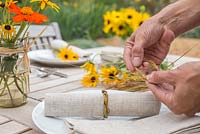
<point x="48" y="56"/>
<point x="49" y="85"/>
<point x="84" y="110"/>
<point x="56" y="114"/>
<point x="54" y="88"/>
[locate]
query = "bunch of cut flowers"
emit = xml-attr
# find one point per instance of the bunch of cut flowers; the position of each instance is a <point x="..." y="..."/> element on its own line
<point x="115" y="75"/>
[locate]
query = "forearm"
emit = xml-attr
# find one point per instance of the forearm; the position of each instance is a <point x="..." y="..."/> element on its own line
<point x="180" y="16"/>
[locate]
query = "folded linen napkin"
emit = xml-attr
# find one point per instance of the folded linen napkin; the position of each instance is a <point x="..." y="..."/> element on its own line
<point x="57" y="44"/>
<point x="166" y="123"/>
<point x="90" y="103"/>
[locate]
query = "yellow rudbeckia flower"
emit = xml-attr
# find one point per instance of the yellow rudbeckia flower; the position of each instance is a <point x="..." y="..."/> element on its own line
<point x="129" y="15"/>
<point x="89" y="67"/>
<point x="9" y="2"/>
<point x="138" y="20"/>
<point x="120" y="29"/>
<point x="109" y="75"/>
<point x="7" y="31"/>
<point x="90" y="80"/>
<point x="107" y="22"/>
<point x="67" y="54"/>
<point x="44" y="3"/>
<point x="117" y="16"/>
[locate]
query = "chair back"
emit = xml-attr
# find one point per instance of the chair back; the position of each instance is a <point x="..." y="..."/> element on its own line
<point x="44" y="41"/>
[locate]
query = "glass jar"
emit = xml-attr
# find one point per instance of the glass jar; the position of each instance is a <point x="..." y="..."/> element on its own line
<point x="14" y="81"/>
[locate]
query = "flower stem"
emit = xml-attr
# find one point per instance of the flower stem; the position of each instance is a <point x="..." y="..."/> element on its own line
<point x="23" y="25"/>
<point x="9" y="92"/>
<point x="17" y="85"/>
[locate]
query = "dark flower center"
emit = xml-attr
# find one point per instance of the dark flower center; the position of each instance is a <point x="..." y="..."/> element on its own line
<point x="7" y="27"/>
<point x="2" y="5"/>
<point x="129" y="17"/>
<point x="121" y="27"/>
<point x="66" y="56"/>
<point x="108" y="21"/>
<point x="111" y="76"/>
<point x="140" y="23"/>
<point x="93" y="79"/>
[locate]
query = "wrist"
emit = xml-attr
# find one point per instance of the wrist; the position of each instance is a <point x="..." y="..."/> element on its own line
<point x="180" y="16"/>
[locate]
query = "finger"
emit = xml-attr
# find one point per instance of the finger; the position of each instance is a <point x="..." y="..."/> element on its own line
<point x="128" y="57"/>
<point x="138" y="50"/>
<point x="167" y="38"/>
<point x="192" y="111"/>
<point x="166" y="96"/>
<point x="146" y="68"/>
<point x="138" y="55"/>
<point x="158" y="77"/>
<point x="190" y="114"/>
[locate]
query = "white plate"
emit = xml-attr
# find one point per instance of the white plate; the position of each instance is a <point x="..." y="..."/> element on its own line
<point x="47" y="57"/>
<point x="56" y="126"/>
<point x="47" y="124"/>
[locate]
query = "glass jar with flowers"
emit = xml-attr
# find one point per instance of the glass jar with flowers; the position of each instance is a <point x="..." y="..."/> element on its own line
<point x="14" y="45"/>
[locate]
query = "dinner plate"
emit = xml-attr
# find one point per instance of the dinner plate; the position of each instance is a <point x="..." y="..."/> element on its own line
<point x="47" y="57"/>
<point x="52" y="125"/>
<point x="47" y="124"/>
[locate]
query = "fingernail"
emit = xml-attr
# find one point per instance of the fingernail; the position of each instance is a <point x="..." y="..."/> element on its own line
<point x="148" y="77"/>
<point x="136" y="61"/>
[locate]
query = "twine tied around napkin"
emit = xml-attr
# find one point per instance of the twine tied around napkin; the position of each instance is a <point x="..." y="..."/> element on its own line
<point x="106" y="109"/>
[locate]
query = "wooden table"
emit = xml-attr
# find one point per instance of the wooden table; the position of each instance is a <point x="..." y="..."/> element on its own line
<point x="18" y="120"/>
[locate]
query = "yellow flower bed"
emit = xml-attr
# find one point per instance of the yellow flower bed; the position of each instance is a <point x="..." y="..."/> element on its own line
<point x="124" y="21"/>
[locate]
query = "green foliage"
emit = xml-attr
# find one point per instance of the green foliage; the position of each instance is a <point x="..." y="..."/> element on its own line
<point x="83" y="43"/>
<point x="166" y="65"/>
<point x="195" y="33"/>
<point x="84" y="18"/>
<point x="152" y="6"/>
<point x="80" y="19"/>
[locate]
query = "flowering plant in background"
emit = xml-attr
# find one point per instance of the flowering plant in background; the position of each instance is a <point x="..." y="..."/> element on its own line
<point x="15" y="21"/>
<point x="124" y="21"/>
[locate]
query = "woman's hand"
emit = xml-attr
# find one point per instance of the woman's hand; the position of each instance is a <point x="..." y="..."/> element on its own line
<point x="150" y="42"/>
<point x="179" y="89"/>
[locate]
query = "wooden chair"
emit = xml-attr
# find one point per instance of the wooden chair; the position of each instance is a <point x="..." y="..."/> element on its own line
<point x="44" y="41"/>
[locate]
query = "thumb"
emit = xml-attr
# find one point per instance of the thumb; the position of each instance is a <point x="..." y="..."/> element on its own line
<point x="166" y="96"/>
<point x="138" y="52"/>
<point x="158" y="77"/>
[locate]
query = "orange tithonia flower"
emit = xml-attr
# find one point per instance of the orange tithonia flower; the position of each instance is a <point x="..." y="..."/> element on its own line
<point x="26" y="14"/>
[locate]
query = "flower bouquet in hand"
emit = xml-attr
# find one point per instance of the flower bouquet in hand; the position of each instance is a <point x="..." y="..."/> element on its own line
<point x="15" y="20"/>
<point x="115" y="75"/>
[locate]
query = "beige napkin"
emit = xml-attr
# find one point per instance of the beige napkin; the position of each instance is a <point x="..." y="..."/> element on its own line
<point x="90" y="103"/>
<point x="160" y="124"/>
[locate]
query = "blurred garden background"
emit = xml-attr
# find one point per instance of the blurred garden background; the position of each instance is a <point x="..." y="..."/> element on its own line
<point x="81" y="22"/>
